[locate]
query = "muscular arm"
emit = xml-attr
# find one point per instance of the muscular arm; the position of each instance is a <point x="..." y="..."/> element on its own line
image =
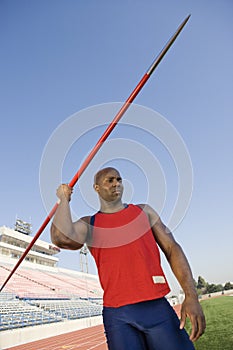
<point x="182" y="271"/>
<point x="64" y="233"/>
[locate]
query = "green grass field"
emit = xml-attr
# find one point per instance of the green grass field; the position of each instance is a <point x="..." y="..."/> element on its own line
<point x="219" y="324"/>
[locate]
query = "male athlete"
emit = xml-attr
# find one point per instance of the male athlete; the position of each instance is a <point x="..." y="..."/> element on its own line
<point x="124" y="240"/>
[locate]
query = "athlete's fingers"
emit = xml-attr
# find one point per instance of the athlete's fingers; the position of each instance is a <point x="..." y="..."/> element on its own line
<point x="198" y="327"/>
<point x="191" y="308"/>
<point x="64" y="191"/>
<point x="194" y="328"/>
<point x="182" y="318"/>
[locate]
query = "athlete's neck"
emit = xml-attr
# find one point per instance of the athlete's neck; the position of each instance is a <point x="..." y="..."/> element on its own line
<point x="111" y="207"/>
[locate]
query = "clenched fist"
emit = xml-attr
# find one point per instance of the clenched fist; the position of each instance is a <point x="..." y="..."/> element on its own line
<point x="64" y="191"/>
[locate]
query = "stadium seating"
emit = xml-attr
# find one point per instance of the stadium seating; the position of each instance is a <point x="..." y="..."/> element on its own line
<point x="35" y="297"/>
<point x="70" y="309"/>
<point x="15" y="313"/>
<point x="26" y="283"/>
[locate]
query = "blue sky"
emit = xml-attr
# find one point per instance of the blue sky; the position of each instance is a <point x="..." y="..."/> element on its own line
<point x="61" y="57"/>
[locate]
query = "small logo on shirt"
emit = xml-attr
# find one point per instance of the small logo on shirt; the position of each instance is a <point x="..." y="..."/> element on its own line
<point x="158" y="279"/>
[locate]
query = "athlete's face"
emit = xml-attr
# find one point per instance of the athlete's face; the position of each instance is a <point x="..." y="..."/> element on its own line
<point x="109" y="186"/>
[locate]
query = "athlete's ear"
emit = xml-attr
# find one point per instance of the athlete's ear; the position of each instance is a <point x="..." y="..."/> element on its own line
<point x="96" y="188"/>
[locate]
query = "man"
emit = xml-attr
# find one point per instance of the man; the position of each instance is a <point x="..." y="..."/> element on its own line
<point x="124" y="240"/>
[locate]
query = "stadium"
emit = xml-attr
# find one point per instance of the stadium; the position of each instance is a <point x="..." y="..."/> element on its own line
<point x="61" y="57"/>
<point x="43" y="304"/>
<point x="42" y="300"/>
<point x="47" y="307"/>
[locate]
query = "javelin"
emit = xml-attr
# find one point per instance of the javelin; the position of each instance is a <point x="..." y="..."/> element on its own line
<point x="107" y="132"/>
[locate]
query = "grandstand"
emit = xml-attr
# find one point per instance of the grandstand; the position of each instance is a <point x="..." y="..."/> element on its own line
<point x="41" y="299"/>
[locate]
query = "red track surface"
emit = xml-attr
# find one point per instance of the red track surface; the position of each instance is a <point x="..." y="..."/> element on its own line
<point x="85" y="339"/>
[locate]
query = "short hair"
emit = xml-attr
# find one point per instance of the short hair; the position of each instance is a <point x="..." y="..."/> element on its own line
<point x="103" y="172"/>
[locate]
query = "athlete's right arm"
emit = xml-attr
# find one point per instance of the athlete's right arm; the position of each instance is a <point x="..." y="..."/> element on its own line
<point x="66" y="234"/>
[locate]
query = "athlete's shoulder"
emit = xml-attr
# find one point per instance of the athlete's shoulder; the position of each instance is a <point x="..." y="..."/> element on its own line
<point x="148" y="210"/>
<point x="85" y="219"/>
<point x="143" y="206"/>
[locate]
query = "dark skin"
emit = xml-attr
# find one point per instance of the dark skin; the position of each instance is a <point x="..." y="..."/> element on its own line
<point x="72" y="235"/>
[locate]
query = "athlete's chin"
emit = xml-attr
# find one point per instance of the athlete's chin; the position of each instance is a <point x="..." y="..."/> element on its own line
<point x="117" y="196"/>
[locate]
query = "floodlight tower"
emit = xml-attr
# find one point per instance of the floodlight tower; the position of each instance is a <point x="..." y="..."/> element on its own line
<point x="83" y="258"/>
<point x="23" y="227"/>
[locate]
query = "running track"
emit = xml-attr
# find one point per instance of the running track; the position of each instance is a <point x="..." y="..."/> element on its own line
<point x="85" y="339"/>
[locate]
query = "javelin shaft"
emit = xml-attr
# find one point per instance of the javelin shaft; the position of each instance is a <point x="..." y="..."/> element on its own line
<point x="101" y="141"/>
<point x="127" y="103"/>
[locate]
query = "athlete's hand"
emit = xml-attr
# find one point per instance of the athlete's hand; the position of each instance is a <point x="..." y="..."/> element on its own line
<point x="64" y="191"/>
<point x="191" y="308"/>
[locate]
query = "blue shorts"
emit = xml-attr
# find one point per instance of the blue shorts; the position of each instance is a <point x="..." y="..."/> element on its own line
<point x="149" y="325"/>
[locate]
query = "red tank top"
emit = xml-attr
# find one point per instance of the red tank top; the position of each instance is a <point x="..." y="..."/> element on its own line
<point x="127" y="257"/>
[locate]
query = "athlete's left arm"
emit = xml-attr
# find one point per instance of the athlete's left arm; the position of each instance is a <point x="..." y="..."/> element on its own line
<point x="181" y="269"/>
